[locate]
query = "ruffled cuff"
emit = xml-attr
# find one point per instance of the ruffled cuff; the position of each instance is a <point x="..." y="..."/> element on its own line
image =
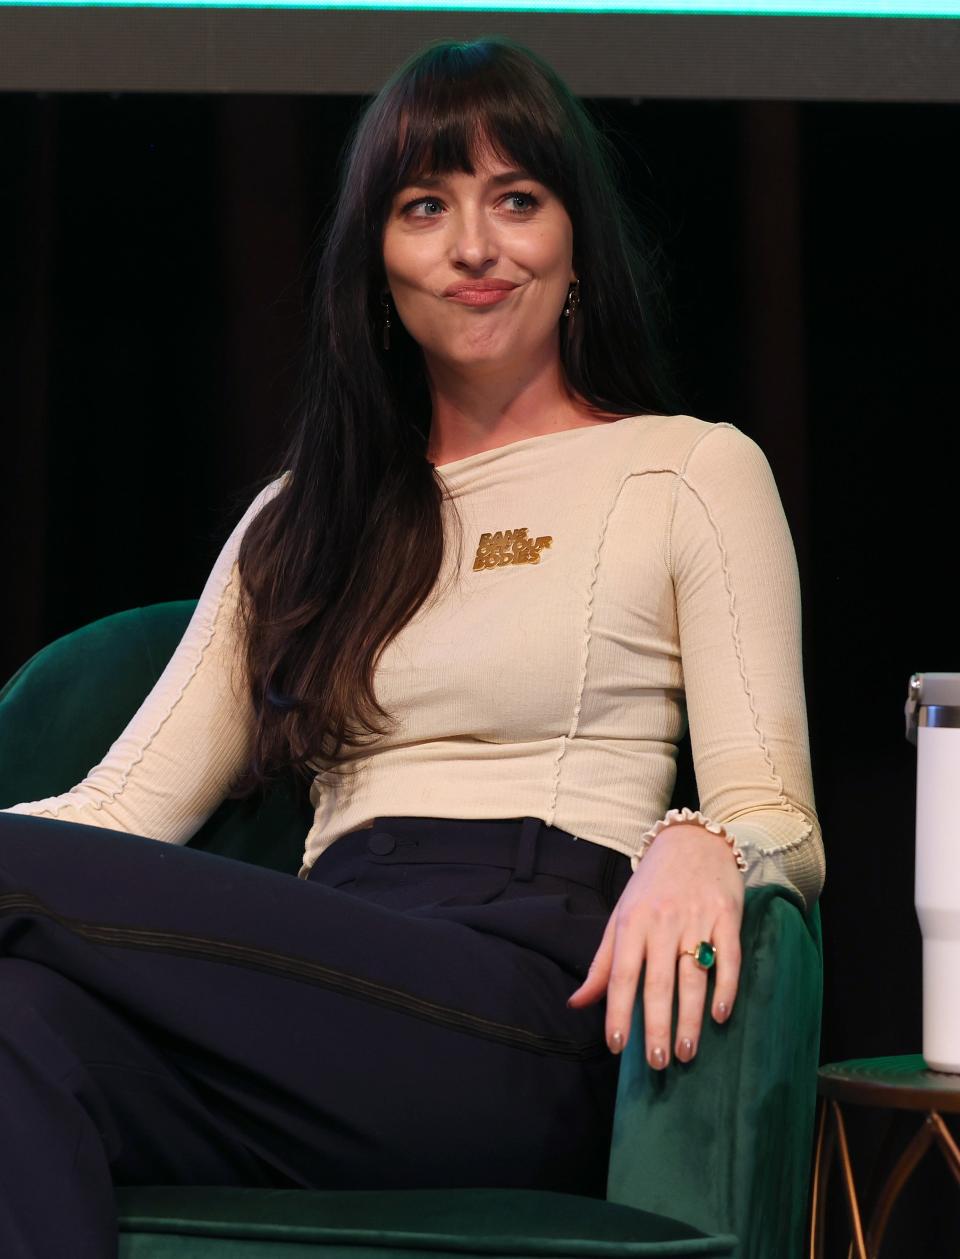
<point x="675" y="816"/>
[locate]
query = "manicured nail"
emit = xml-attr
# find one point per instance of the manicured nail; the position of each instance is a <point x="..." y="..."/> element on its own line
<point x="685" y="1049"/>
<point x="722" y="1010"/>
<point x="616" y="1041"/>
<point x="658" y="1058"/>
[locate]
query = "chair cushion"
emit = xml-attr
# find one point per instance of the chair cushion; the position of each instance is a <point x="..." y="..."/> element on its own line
<point x="219" y="1223"/>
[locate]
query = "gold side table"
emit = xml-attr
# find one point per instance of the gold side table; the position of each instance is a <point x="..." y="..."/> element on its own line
<point x="897" y="1083"/>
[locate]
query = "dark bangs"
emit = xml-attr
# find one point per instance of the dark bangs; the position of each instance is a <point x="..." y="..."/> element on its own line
<point x="464" y="102"/>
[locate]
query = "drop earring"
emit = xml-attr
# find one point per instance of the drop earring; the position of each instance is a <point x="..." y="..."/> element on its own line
<point x="573" y="301"/>
<point x="385" y="303"/>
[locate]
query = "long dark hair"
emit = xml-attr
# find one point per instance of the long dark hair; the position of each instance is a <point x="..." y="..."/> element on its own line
<point x="350" y="547"/>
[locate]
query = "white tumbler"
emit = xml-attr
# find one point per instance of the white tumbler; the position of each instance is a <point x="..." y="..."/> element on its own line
<point x="933" y="723"/>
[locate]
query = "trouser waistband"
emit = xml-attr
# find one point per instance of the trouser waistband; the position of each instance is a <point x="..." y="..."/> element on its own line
<point x="527" y="845"/>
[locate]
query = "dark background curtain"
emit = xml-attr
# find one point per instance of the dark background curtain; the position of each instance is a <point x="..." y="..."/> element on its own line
<point x="152" y="319"/>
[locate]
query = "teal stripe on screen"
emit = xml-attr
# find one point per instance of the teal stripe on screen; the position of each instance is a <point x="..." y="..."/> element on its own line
<point x="813" y="8"/>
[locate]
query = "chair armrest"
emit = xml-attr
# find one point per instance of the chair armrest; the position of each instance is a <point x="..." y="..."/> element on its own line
<point x="724" y="1142"/>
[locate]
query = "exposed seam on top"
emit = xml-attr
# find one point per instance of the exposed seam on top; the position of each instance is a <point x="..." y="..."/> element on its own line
<point x="787" y="844"/>
<point x="808" y="885"/>
<point x="118" y="791"/>
<point x="735" y="618"/>
<point x="785" y="847"/>
<point x="591" y="587"/>
<point x="681" y="477"/>
<point x="820" y="856"/>
<point x="586" y="643"/>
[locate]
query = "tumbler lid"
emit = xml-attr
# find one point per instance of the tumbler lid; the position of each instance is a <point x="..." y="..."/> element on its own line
<point x="927" y="690"/>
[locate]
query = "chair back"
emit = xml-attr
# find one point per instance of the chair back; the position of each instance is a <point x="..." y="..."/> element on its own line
<point x="62" y="710"/>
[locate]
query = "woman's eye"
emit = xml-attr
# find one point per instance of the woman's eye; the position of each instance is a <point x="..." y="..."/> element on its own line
<point x="422" y="201"/>
<point x="524" y="196"/>
<point x="529" y="197"/>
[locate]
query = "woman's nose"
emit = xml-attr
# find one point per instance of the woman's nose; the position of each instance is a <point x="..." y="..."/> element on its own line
<point x="474" y="238"/>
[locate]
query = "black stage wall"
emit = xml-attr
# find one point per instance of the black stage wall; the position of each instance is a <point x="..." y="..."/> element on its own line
<point x="150" y="298"/>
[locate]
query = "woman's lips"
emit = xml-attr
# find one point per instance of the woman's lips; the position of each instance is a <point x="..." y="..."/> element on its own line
<point x="480" y="297"/>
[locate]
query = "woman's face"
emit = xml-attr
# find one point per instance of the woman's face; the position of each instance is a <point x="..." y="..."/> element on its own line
<point x="492" y="225"/>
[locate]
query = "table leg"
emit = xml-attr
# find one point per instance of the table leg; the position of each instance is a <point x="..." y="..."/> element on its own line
<point x="901" y="1172"/>
<point x="823" y="1153"/>
<point x="853" y="1210"/>
<point x="946" y="1142"/>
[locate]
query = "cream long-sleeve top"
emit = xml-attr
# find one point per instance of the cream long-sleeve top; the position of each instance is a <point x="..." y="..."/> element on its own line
<point x="616" y="582"/>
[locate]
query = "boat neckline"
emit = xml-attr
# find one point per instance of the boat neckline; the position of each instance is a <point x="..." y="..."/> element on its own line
<point x="536" y="437"/>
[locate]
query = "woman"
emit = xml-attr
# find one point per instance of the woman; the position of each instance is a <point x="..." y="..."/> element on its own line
<point x="495" y="576"/>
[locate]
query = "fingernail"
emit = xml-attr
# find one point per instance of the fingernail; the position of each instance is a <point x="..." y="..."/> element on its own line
<point x="685" y="1049"/>
<point x="658" y="1058"/>
<point x="616" y="1041"/>
<point x="722" y="1010"/>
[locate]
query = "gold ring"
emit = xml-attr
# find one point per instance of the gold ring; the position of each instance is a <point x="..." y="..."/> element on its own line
<point x="705" y="954"/>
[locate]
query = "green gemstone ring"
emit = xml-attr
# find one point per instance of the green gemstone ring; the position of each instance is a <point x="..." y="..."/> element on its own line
<point x="705" y="954"/>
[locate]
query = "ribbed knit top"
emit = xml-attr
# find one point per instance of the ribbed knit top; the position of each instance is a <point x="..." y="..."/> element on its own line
<point x="616" y="582"/>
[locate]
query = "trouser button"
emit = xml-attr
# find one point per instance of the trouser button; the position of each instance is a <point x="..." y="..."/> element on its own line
<point x="381" y="843"/>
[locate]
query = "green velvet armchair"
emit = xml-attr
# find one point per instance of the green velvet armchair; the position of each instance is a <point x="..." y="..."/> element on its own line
<point x="707" y="1158"/>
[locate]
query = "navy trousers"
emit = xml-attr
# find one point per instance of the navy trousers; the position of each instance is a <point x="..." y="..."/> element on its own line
<point x="397" y="1020"/>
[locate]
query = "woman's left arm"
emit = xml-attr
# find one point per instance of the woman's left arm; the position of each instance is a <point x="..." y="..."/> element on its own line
<point x="738" y="615"/>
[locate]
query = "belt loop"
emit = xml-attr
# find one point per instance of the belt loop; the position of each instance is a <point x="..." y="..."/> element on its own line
<point x="527" y="849"/>
<point x="607" y="876"/>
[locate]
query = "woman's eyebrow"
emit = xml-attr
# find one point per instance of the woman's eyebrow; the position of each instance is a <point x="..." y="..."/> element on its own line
<point x="437" y="181"/>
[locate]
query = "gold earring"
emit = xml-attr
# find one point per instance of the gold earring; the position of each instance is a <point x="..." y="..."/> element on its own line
<point x="385" y="303"/>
